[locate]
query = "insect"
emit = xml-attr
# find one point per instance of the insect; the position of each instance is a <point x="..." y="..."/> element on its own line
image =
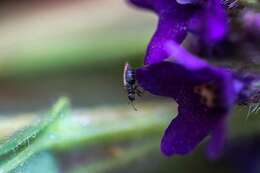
<point x="130" y="84"/>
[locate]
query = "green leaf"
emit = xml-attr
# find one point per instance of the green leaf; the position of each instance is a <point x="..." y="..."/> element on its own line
<point x="31" y="137"/>
<point x="26" y="135"/>
<point x="43" y="162"/>
<point x="104" y="124"/>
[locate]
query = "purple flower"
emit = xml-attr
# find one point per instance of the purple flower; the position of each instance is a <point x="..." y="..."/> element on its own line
<point x="251" y="20"/>
<point x="242" y="44"/>
<point x="176" y="18"/>
<point x="210" y="23"/>
<point x="205" y="95"/>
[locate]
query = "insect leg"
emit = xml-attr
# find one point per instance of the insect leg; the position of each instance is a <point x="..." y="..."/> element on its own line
<point x="139" y="91"/>
<point x="132" y="104"/>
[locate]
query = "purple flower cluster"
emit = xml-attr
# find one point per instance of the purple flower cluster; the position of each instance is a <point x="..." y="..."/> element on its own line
<point x="205" y="93"/>
<point x="207" y="19"/>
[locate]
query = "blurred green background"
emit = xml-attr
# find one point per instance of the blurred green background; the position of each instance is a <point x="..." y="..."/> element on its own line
<point x="77" y="49"/>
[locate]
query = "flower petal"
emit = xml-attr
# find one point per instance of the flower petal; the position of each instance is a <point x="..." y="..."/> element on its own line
<point x="218" y="139"/>
<point x="210" y="23"/>
<point x="217" y="21"/>
<point x="180" y="55"/>
<point x="167" y="79"/>
<point x="178" y="81"/>
<point x="173" y="25"/>
<point x="186" y="131"/>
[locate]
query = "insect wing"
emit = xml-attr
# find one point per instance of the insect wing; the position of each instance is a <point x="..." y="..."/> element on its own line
<point x="126" y="68"/>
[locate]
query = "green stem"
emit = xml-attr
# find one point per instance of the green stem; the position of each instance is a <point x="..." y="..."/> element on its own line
<point x="124" y="157"/>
